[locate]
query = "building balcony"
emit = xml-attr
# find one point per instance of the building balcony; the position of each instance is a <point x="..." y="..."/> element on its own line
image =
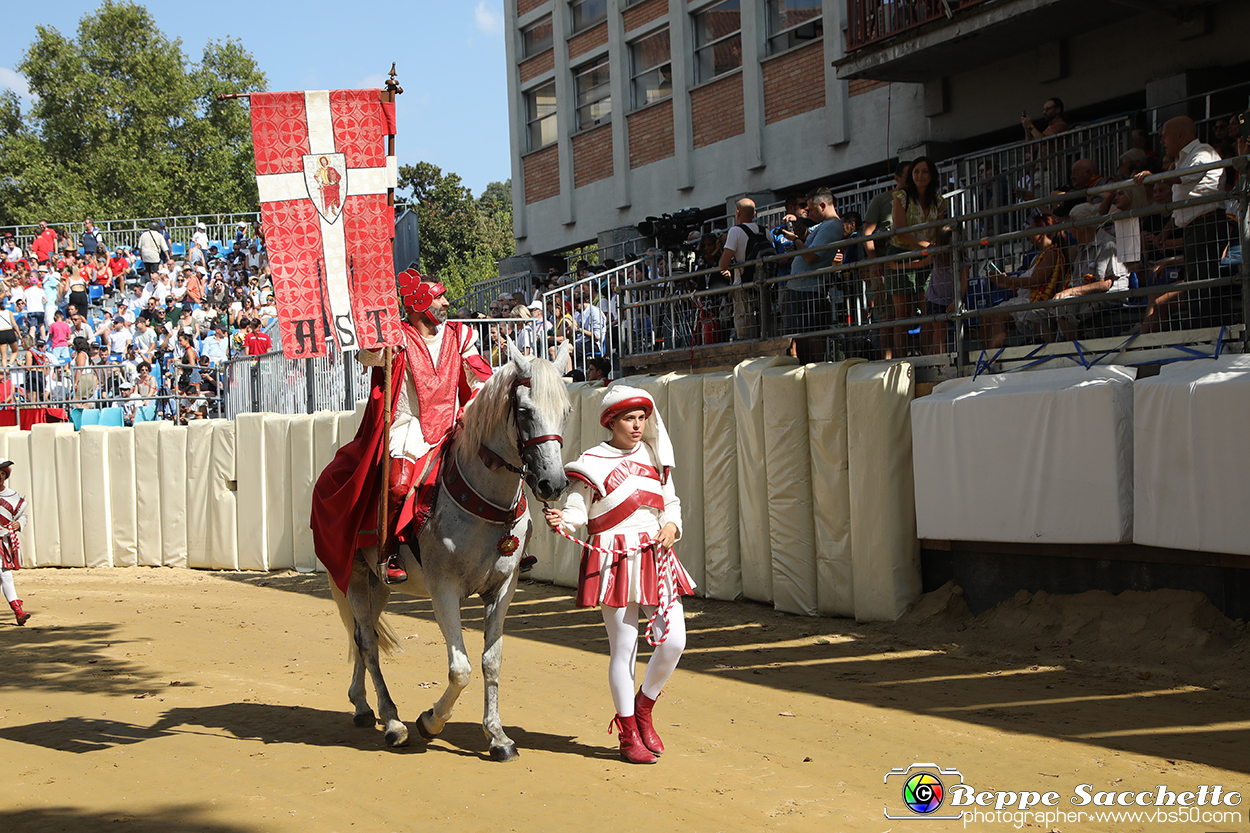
<point x="919" y="40"/>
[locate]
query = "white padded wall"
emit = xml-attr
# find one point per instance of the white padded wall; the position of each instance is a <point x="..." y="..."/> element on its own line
<point x="722" y="560"/>
<point x="93" y="474"/>
<point x="1189" y="427"/>
<point x="788" y="471"/>
<point x="885" y="553"/>
<point x="281" y="545"/>
<point x="567" y="556"/>
<point x="17" y="449"/>
<point x="121" y="486"/>
<point x="223" y="540"/>
<point x="199" y="482"/>
<point x="302" y="439"/>
<point x="1038" y="457"/>
<point x="684" y="421"/>
<point x="173" y="478"/>
<point x="831" y="486"/>
<point x="69" y="499"/>
<point x="147" y="494"/>
<point x="43" y="491"/>
<point x="249" y="449"/>
<point x="753" y="535"/>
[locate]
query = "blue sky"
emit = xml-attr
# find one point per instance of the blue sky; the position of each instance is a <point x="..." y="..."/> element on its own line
<point x="449" y="55"/>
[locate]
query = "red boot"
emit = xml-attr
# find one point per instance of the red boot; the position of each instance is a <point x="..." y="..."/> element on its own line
<point x="390" y="565"/>
<point x="632" y="748"/>
<point x="646" y="729"/>
<point x="21" y="615"/>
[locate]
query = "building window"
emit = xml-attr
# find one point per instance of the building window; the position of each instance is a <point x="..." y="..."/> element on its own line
<point x="717" y="41"/>
<point x="793" y="22"/>
<point x="594" y="97"/>
<point x="540" y="115"/>
<point x="536" y="38"/>
<point x="587" y="13"/>
<point x="651" y="68"/>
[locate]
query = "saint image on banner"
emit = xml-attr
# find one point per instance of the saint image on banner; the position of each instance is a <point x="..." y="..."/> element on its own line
<point x="328" y="181"/>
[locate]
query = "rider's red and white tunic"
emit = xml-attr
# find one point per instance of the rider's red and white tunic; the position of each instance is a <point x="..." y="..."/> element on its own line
<point x="12" y="508"/>
<point x="624" y="499"/>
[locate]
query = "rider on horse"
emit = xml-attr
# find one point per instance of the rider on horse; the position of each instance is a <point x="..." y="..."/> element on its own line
<point x="435" y="371"/>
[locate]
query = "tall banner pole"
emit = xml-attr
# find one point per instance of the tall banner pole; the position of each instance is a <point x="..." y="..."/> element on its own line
<point x="388" y="95"/>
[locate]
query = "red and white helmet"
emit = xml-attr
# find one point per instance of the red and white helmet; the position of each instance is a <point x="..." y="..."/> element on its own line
<point x="416" y="293"/>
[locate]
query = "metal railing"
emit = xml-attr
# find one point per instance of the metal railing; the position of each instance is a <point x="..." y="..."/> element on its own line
<point x="221" y="229"/>
<point x="273" y="383"/>
<point x="479" y="296"/>
<point x="852" y="315"/>
<point x="587" y="314"/>
<point x="869" y="21"/>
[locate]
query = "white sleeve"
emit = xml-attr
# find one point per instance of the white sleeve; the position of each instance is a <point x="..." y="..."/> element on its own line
<point x="672" y="506"/>
<point x="21" y="516"/>
<point x="576" y="505"/>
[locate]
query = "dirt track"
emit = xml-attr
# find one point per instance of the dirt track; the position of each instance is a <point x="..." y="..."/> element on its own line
<point x="176" y="700"/>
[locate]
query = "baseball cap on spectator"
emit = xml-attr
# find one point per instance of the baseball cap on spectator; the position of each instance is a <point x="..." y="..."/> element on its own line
<point x="536" y="303"/>
<point x="242" y="224"/>
<point x="117" y="319"/>
<point x="8" y="235"/>
<point x="162" y="224"/>
<point x="201" y="226"/>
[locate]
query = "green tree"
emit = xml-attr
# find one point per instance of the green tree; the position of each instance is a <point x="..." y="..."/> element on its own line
<point x="122" y="124"/>
<point x="462" y="238"/>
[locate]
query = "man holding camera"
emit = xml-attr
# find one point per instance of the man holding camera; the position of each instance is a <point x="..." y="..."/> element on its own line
<point x="746" y="301"/>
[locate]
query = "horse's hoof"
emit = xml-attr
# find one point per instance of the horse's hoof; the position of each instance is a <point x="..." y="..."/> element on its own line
<point x="503" y="754"/>
<point x="398" y="736"/>
<point x="421" y="725"/>
<point x="365" y="720"/>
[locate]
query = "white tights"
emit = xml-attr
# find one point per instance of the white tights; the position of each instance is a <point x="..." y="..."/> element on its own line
<point x="622" y="625"/>
<point x="6" y="581"/>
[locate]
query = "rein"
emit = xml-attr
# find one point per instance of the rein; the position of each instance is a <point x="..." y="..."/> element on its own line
<point x="494" y="460"/>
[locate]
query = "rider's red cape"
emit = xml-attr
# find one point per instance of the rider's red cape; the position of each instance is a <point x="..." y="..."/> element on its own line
<point x="345" y="499"/>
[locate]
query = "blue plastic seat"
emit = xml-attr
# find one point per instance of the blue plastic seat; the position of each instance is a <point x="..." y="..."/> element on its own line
<point x="178" y="249"/>
<point x="113" y="417"/>
<point x="95" y="293"/>
<point x="90" y="416"/>
<point x="146" y="413"/>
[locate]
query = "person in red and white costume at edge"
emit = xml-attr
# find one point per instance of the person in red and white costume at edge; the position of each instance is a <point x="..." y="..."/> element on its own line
<point x="12" y="517"/>
<point x="622" y="491"/>
<point x="435" y="371"/>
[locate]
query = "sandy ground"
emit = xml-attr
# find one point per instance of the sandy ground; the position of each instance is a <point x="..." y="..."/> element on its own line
<point x="172" y="700"/>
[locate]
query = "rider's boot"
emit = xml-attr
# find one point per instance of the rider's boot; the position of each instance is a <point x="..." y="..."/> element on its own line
<point x="390" y="564"/>
<point x="21" y="615"/>
<point x="646" y="729"/>
<point x="632" y="748"/>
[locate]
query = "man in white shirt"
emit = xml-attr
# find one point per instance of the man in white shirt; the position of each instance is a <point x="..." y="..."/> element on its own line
<point x="746" y="301"/>
<point x="591" y="326"/>
<point x="216" y="344"/>
<point x="119" y="338"/>
<point x="200" y="238"/>
<point x="144" y="339"/>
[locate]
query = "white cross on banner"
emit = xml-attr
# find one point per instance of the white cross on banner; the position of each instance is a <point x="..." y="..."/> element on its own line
<point x="323" y="175"/>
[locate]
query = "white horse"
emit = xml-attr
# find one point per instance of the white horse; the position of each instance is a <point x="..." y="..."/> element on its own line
<point x="472" y="543"/>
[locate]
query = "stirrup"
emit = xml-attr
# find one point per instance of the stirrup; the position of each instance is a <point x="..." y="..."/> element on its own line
<point x="528" y="562"/>
<point x="392" y="569"/>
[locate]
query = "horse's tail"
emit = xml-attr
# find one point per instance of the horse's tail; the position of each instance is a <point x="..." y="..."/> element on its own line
<point x="388" y="640"/>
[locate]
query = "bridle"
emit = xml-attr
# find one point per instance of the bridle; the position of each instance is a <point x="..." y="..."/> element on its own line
<point x="493" y="460"/>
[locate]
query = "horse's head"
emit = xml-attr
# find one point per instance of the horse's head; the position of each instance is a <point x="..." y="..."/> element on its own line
<point x="540" y="408"/>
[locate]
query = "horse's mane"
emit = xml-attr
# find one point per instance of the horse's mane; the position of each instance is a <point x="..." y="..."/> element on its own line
<point x="493" y="403"/>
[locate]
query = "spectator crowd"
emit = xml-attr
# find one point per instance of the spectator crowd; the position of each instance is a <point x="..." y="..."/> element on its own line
<point x="85" y="324"/>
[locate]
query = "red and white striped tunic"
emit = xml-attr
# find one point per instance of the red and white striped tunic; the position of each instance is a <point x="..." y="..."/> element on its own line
<point x="12" y="508"/>
<point x="624" y="500"/>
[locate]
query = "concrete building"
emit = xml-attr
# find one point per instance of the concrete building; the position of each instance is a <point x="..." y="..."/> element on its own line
<point x="622" y="109"/>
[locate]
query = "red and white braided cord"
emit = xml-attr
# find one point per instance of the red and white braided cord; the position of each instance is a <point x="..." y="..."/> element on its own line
<point x="15" y="544"/>
<point x="666" y="567"/>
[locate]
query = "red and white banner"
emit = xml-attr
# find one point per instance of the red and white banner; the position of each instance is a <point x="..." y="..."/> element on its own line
<point x="323" y="175"/>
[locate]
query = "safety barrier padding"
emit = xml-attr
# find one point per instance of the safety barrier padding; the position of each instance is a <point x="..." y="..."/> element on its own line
<point x="788" y="471"/>
<point x="1189" y="441"/>
<point x="302" y="439"/>
<point x="42" y="494"/>
<point x="93" y="478"/>
<point x="173" y="477"/>
<point x="121" y="488"/>
<point x="684" y="420"/>
<point x="223" y="531"/>
<point x="69" y="499"/>
<point x="199" y="488"/>
<point x="831" y="486"/>
<point x="749" y="419"/>
<point x="280" y="552"/>
<point x="249" y="450"/>
<point x="147" y="494"/>
<point x="885" y="553"/>
<point x="1038" y="457"/>
<point x="722" y="559"/>
<point x="15" y="446"/>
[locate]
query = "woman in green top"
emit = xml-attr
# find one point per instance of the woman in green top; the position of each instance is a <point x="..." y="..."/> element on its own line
<point x="916" y="202"/>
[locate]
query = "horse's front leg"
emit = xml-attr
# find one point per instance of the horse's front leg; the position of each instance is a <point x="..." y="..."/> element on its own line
<point x="501" y="746"/>
<point x="368" y="598"/>
<point x="447" y="611"/>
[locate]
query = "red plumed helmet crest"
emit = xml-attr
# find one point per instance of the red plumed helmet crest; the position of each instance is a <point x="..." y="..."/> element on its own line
<point x="415" y="292"/>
